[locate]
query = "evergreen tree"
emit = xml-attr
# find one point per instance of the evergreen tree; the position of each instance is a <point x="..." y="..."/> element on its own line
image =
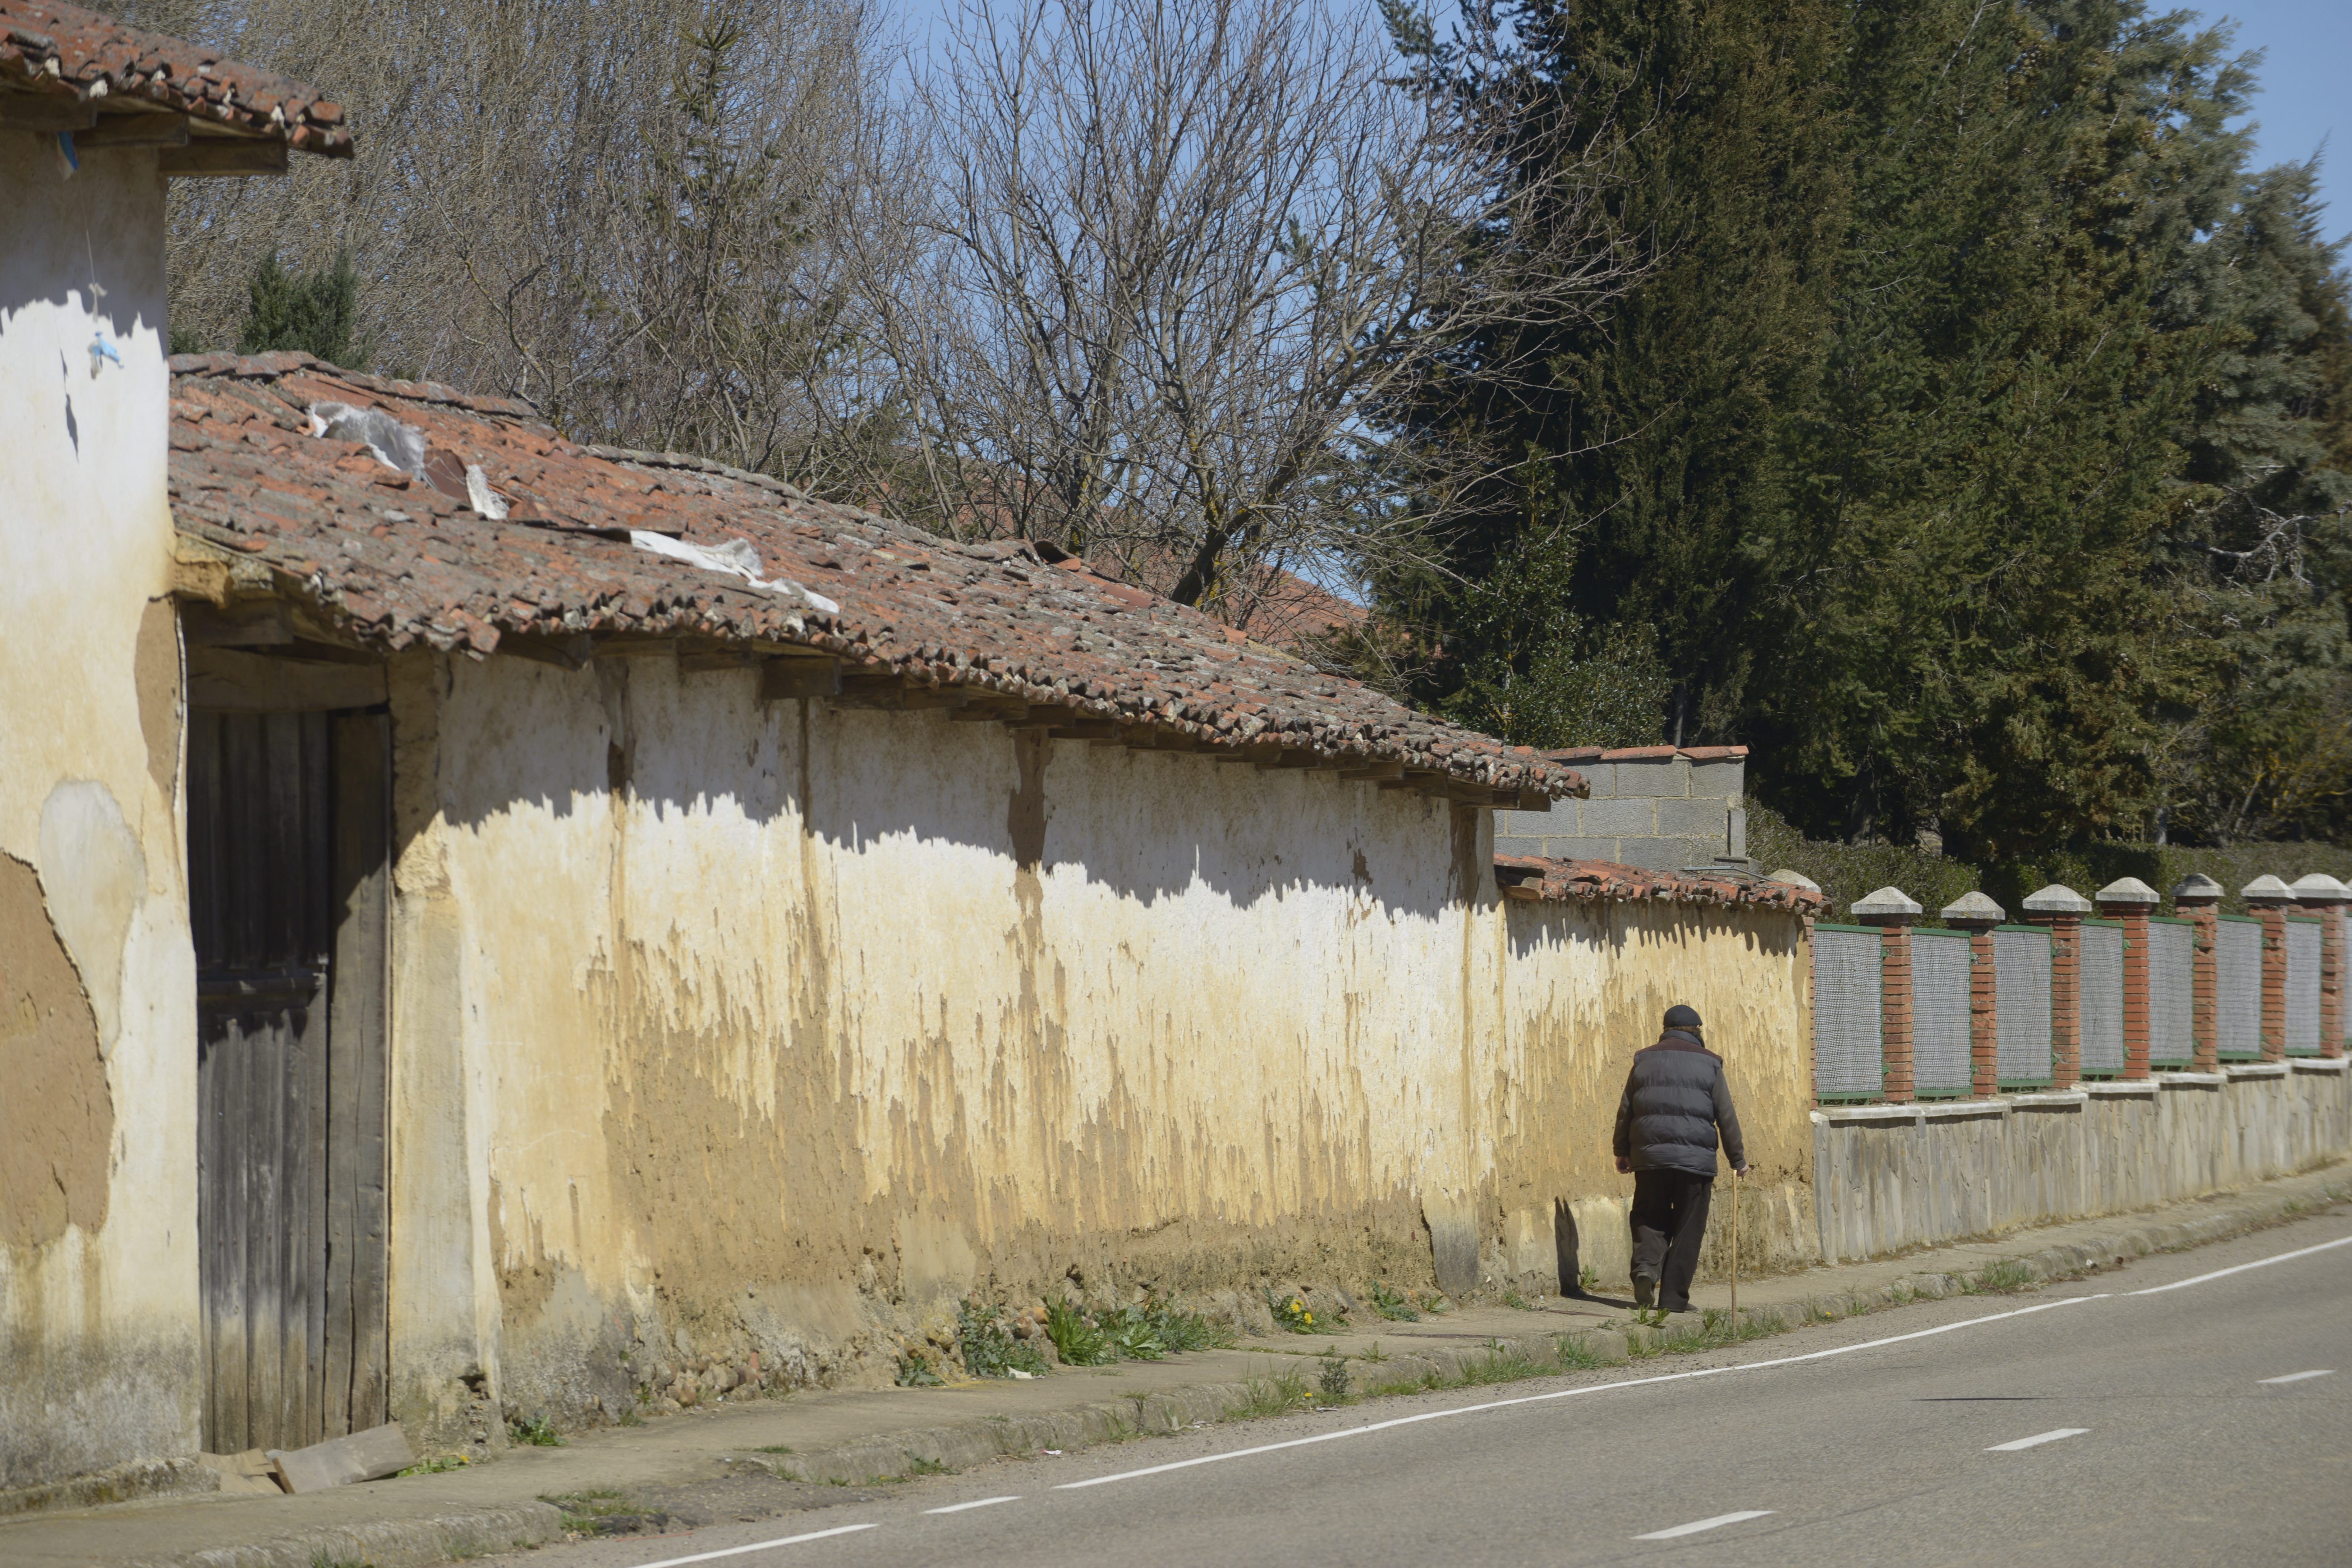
<point x="316" y="313"/>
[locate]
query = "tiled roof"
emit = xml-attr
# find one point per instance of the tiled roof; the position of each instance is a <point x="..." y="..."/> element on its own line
<point x="45" y="45"/>
<point x="1647" y="753"/>
<point x="1532" y="877"/>
<point x="375" y="558"/>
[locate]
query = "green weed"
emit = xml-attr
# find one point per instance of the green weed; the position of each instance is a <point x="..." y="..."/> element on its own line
<point x="1079" y="1342"/>
<point x="919" y="1465"/>
<point x="437" y="1464"/>
<point x="321" y="1560"/>
<point x="1390" y="1303"/>
<point x="1374" y="1354"/>
<point x="2005" y="1277"/>
<point x="1293" y="1313"/>
<point x="1587" y="1279"/>
<point x="915" y="1370"/>
<point x="1333" y="1383"/>
<point x="990" y="1348"/>
<point x="1501" y="1364"/>
<point x="536" y="1431"/>
<point x="1277" y="1395"/>
<point x="1573" y="1354"/>
<point x="1512" y="1299"/>
<point x="775" y="1448"/>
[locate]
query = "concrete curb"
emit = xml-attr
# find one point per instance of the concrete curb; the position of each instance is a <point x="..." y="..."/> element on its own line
<point x="893" y="1455"/>
<point x="389" y="1543"/>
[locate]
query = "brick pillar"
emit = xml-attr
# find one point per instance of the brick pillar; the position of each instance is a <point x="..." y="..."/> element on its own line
<point x="2196" y="899"/>
<point x="2131" y="901"/>
<point x="2062" y="910"/>
<point x="2268" y="900"/>
<point x="1891" y="910"/>
<point x="1976" y="915"/>
<point x="2327" y="897"/>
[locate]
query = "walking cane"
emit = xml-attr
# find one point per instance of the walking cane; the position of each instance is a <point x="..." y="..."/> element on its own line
<point x="1735" y="1252"/>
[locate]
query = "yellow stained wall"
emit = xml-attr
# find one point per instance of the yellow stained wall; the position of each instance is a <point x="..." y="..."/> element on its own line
<point x="97" y="1065"/>
<point x="781" y="1026"/>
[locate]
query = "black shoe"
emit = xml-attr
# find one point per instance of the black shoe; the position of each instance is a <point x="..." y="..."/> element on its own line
<point x="1644" y="1292"/>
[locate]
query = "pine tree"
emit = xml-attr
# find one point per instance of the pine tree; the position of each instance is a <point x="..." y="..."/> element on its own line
<point x="315" y="313"/>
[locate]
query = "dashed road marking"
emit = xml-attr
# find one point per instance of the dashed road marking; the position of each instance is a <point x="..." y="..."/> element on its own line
<point x="760" y="1545"/>
<point x="976" y="1503"/>
<point x="1718" y="1522"/>
<point x="2037" y="1440"/>
<point x="2300" y="1376"/>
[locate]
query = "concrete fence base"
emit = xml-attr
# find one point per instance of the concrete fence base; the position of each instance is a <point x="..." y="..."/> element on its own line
<point x="1890" y="1177"/>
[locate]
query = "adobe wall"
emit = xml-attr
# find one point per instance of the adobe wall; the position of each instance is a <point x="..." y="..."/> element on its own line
<point x="98" y="1263"/>
<point x="781" y="1027"/>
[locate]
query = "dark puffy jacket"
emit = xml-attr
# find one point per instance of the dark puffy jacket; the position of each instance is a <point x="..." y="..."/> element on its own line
<point x="1675" y="1099"/>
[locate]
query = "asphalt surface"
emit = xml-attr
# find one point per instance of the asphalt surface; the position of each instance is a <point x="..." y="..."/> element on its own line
<point x="1900" y="1438"/>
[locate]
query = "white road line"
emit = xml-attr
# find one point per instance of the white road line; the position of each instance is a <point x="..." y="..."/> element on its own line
<point x="2300" y="1376"/>
<point x="1718" y="1522"/>
<point x="1570" y="1393"/>
<point x="2037" y="1440"/>
<point x="760" y="1545"/>
<point x="1369" y="1427"/>
<point x="976" y="1503"/>
<point x="2240" y="1268"/>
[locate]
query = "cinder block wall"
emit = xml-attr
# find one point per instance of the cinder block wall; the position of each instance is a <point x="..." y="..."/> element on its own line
<point x="1658" y="808"/>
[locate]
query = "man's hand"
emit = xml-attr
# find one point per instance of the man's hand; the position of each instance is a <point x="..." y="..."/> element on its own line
<point x="1738" y="1170"/>
<point x="1624" y="1165"/>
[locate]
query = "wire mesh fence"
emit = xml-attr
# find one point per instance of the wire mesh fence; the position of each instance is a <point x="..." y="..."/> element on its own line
<point x="1849" y="1058"/>
<point x="2021" y="960"/>
<point x="2303" y="934"/>
<point x="1940" y="972"/>
<point x="2238" y="986"/>
<point x="2171" y="993"/>
<point x="2100" y="980"/>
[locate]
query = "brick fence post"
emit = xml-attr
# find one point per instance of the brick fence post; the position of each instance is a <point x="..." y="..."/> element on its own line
<point x="2269" y="898"/>
<point x="2196" y="899"/>
<point x="2062" y="910"/>
<point x="1976" y="915"/>
<point x="1891" y="910"/>
<point x="2131" y="901"/>
<point x="2327" y="897"/>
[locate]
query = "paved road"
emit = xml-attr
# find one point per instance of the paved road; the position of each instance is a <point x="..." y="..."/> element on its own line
<point x="2140" y="1417"/>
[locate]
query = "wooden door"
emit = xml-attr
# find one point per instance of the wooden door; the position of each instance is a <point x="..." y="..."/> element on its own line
<point x="288" y="818"/>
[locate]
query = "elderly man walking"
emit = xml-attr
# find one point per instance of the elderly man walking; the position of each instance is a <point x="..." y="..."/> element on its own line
<point x="1675" y="1102"/>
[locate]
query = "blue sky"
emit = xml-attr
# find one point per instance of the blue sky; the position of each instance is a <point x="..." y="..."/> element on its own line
<point x="2306" y="85"/>
<point x="2305" y="75"/>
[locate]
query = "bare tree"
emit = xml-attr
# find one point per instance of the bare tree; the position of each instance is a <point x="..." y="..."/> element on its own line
<point x="1182" y="253"/>
<point x="625" y="209"/>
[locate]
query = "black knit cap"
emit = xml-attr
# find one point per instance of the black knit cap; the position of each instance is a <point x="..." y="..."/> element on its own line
<point x="1681" y="1018"/>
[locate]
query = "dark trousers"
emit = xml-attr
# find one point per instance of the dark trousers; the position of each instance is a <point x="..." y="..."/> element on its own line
<point x="1669" y="1222"/>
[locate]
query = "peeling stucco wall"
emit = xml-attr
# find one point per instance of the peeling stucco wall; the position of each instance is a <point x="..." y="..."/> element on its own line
<point x="98" y="1262"/>
<point x="779" y="1027"/>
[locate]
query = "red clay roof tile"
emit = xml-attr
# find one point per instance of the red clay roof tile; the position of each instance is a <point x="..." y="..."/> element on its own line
<point x="60" y="49"/>
<point x="389" y="568"/>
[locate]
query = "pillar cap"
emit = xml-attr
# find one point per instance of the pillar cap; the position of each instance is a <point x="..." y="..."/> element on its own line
<point x="2266" y="890"/>
<point x="1798" y="879"/>
<point x="2195" y="888"/>
<point x="1887" y="904"/>
<point x="2319" y="887"/>
<point x="2057" y="898"/>
<point x="1974" y="910"/>
<point x="2126" y="891"/>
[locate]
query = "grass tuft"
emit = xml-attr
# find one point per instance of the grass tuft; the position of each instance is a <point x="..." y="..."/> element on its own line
<point x="534" y="1431"/>
<point x="1276" y="1394"/>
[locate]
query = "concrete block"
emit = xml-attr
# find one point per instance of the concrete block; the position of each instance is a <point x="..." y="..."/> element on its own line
<point x="1581" y="849"/>
<point x="1666" y="775"/>
<point x="1724" y="780"/>
<point x="1700" y="818"/>
<point x="1667" y="854"/>
<point x="1601" y="777"/>
<point x="1531" y="824"/>
<point x="1521" y="845"/>
<point x="1619" y="817"/>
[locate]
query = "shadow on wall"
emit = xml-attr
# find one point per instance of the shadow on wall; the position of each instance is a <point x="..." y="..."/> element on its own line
<point x="1144" y="825"/>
